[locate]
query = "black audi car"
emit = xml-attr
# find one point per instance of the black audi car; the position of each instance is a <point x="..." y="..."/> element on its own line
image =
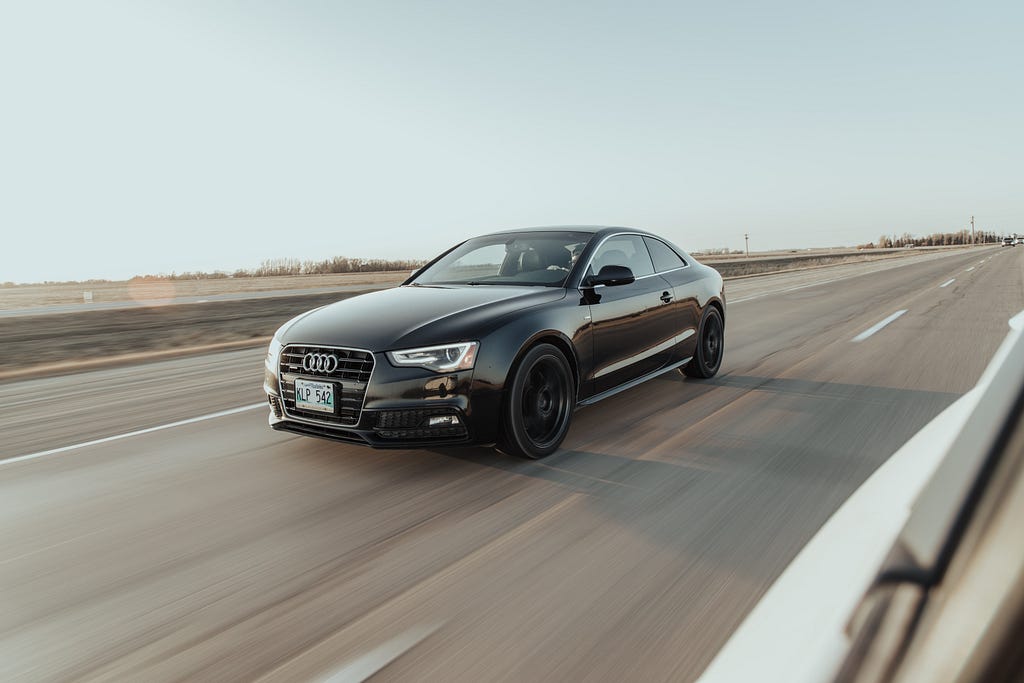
<point x="497" y="341"/>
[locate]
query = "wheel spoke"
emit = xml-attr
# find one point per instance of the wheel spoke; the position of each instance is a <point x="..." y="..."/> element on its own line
<point x="534" y="425"/>
<point x="530" y="387"/>
<point x="540" y="378"/>
<point x="712" y="343"/>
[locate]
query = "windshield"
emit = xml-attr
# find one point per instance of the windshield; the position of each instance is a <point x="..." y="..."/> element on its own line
<point x="529" y="259"/>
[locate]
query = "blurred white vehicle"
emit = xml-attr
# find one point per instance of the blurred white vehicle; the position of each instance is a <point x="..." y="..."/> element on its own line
<point x="919" y="576"/>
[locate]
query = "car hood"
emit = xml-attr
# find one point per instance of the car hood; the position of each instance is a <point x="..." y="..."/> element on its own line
<point x="408" y="316"/>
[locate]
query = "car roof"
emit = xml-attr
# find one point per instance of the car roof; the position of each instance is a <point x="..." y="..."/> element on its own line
<point x="592" y="229"/>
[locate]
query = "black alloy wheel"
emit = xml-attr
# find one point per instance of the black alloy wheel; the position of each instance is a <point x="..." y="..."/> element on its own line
<point x="539" y="404"/>
<point x="710" y="346"/>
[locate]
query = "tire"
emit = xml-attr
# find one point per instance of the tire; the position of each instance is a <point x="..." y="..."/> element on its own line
<point x="707" y="359"/>
<point x="539" y="404"/>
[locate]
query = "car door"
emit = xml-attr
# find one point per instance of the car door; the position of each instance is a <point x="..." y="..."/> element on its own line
<point x="633" y="330"/>
<point x="685" y="307"/>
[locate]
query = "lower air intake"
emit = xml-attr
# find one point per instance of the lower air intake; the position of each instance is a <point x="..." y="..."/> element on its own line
<point x="420" y="423"/>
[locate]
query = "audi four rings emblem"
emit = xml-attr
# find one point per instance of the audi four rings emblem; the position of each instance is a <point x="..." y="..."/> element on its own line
<point x="320" y="362"/>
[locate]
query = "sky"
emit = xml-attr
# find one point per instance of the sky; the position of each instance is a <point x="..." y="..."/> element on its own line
<point x="154" y="137"/>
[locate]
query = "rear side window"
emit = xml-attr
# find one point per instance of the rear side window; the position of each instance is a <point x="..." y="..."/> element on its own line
<point x="664" y="257"/>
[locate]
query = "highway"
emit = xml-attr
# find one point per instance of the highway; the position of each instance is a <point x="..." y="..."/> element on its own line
<point x="190" y="542"/>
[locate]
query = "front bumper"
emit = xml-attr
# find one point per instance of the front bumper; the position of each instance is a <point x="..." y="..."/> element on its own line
<point x="383" y="434"/>
<point x="397" y="409"/>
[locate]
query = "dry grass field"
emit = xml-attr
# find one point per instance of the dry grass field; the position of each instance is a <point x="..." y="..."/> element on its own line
<point x="154" y="290"/>
<point x="48" y="342"/>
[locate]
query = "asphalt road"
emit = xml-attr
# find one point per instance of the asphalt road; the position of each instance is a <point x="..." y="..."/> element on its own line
<point x="218" y="550"/>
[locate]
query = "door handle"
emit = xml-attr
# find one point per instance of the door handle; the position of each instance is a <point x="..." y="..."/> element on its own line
<point x="666" y="297"/>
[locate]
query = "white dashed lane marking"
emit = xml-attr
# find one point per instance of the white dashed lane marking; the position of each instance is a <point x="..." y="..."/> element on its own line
<point x="878" y="326"/>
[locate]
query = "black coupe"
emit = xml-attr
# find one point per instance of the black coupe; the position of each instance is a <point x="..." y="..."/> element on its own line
<point x="497" y="341"/>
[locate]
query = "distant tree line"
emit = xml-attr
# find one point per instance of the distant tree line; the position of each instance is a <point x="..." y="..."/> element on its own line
<point x="94" y="281"/>
<point x="936" y="239"/>
<point x="291" y="266"/>
<point x="718" y="251"/>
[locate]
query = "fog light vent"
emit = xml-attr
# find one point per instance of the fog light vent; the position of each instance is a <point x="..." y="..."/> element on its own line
<point x="420" y="423"/>
<point x="275" y="406"/>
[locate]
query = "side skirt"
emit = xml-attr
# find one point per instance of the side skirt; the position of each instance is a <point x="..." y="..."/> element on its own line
<point x="631" y="383"/>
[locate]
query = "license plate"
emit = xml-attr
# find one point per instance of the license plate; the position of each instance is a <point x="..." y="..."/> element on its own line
<point x="318" y="396"/>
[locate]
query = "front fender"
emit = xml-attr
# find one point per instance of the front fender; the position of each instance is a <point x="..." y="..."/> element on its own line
<point x="566" y="325"/>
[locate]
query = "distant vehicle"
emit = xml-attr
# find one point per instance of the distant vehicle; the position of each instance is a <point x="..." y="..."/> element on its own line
<point x="1009" y="241"/>
<point x="497" y="341"/>
<point x="1020" y="240"/>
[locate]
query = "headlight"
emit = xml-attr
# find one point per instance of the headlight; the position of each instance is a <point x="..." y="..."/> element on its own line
<point x="445" y="358"/>
<point x="273" y="358"/>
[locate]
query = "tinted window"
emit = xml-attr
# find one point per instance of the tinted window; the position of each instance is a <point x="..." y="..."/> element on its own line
<point x="664" y="257"/>
<point x="623" y="250"/>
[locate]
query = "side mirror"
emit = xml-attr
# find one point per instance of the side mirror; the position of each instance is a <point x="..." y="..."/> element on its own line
<point x="613" y="276"/>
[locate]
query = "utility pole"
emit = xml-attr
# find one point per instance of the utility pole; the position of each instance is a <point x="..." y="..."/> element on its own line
<point x="746" y="240"/>
<point x="972" y="231"/>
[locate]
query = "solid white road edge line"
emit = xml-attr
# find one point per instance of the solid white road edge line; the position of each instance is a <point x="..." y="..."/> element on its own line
<point x="948" y="282"/>
<point x="116" y="437"/>
<point x="365" y="666"/>
<point x="877" y="326"/>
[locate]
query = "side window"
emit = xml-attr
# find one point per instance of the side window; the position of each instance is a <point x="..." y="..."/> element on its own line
<point x="664" y="257"/>
<point x="623" y="250"/>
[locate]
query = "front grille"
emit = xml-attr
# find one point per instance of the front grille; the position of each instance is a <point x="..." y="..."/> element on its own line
<point x="352" y="374"/>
